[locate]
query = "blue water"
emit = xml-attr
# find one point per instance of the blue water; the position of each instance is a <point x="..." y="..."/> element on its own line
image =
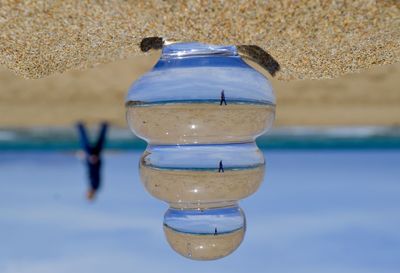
<point x="199" y="101"/>
<point x="270" y="143"/>
<point x="317" y="211"/>
<point x="302" y="138"/>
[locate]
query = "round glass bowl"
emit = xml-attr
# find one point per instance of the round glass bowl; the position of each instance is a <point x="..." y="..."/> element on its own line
<point x="199" y="94"/>
<point x="205" y="234"/>
<point x="193" y="176"/>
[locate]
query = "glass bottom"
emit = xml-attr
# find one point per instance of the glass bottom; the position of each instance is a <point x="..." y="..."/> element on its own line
<point x="205" y="234"/>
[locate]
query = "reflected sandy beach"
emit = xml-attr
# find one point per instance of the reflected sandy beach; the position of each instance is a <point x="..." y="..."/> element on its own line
<point x="204" y="246"/>
<point x="185" y="187"/>
<point x="200" y="122"/>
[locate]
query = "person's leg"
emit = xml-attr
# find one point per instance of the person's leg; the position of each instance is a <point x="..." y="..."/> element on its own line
<point x="94" y="179"/>
<point x="102" y="137"/>
<point x="85" y="144"/>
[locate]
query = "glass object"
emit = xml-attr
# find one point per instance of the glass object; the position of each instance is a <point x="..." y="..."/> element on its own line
<point x="205" y="234"/>
<point x="200" y="109"/>
<point x="200" y="93"/>
<point x="188" y="176"/>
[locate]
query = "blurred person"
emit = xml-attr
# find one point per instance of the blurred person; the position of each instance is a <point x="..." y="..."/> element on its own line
<point x="92" y="154"/>
<point x="222" y="98"/>
<point x="221" y="167"/>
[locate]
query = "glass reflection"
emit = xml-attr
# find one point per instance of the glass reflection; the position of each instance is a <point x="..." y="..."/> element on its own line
<point x="200" y="109"/>
<point x="190" y="176"/>
<point x="205" y="234"/>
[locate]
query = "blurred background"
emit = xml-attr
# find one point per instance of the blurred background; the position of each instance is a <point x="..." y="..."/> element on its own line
<point x="329" y="202"/>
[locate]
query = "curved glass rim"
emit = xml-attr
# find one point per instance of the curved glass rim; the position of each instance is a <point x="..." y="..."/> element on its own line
<point x="192" y="49"/>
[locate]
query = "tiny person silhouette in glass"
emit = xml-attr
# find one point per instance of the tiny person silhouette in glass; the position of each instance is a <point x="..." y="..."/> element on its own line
<point x="93" y="157"/>
<point x="222" y="98"/>
<point x="215" y="231"/>
<point x="221" y="167"/>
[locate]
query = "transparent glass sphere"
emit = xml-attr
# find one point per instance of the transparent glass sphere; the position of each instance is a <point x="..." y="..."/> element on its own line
<point x="188" y="176"/>
<point x="199" y="93"/>
<point x="205" y="234"/>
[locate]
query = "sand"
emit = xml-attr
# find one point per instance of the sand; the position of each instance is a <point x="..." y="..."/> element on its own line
<point x="204" y="247"/>
<point x="200" y="123"/>
<point x="189" y="188"/>
<point x="309" y="39"/>
<point x="369" y="98"/>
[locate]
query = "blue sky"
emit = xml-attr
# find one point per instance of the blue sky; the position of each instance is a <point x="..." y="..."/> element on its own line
<point x="202" y="78"/>
<point x="317" y="211"/>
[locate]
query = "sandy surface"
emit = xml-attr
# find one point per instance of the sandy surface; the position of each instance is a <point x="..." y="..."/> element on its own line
<point x="309" y="39"/>
<point x="186" y="188"/>
<point x="204" y="247"/>
<point x="199" y="122"/>
<point x="369" y="98"/>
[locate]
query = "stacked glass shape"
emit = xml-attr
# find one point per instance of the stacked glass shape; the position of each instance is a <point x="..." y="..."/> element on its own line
<point x="200" y="109"/>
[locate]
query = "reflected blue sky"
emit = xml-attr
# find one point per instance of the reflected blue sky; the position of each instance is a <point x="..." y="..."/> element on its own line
<point x="202" y="78"/>
<point x="317" y="211"/>
<point x="196" y="221"/>
<point x="204" y="156"/>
